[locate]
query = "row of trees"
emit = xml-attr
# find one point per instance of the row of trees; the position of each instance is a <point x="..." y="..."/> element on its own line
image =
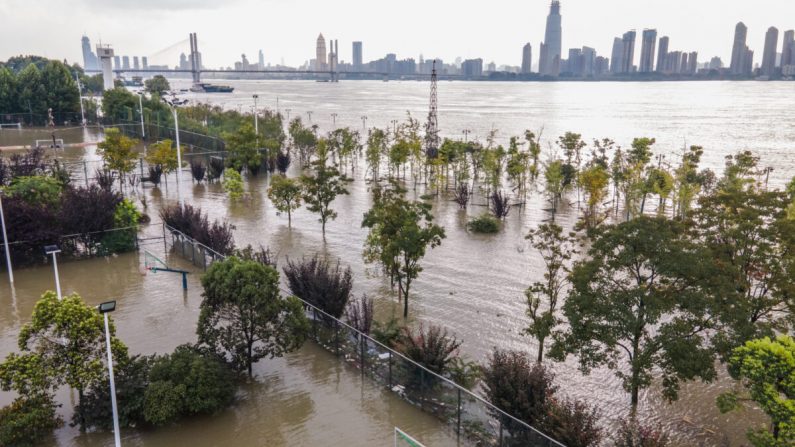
<point x="33" y="86"/>
<point x="243" y="319"/>
<point x="673" y="295"/>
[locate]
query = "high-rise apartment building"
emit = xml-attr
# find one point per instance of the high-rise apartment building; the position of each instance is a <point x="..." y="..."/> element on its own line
<point x="358" y="56"/>
<point x="145" y="62"/>
<point x="549" y="63"/>
<point x="116" y="62"/>
<point x="769" y="55"/>
<point x="125" y="62"/>
<point x="788" y="49"/>
<point x="472" y="68"/>
<point x="647" y="50"/>
<point x="261" y="60"/>
<point x="90" y="61"/>
<point x="616" y="56"/>
<point x="739" y="50"/>
<point x="662" y="53"/>
<point x="320" y="59"/>
<point x="527" y="58"/>
<point x="692" y="63"/>
<point x="588" y="61"/>
<point x="136" y="63"/>
<point x="628" y="53"/>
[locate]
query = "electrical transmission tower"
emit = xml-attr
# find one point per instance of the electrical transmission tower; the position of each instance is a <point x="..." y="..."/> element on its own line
<point x="432" y="126"/>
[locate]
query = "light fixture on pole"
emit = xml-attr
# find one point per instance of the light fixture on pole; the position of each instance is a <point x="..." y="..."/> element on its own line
<point x="80" y="95"/>
<point x="5" y="241"/>
<point x="174" y="103"/>
<point x="54" y="250"/>
<point x="141" y="109"/>
<point x="364" y="122"/>
<point x="334" y="119"/>
<point x="309" y="114"/>
<point x="256" y="115"/>
<point x="105" y="308"/>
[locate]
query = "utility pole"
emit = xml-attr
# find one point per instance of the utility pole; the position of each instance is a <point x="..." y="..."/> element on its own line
<point x="364" y="122"/>
<point x="334" y="119"/>
<point x="80" y="95"/>
<point x="5" y="241"/>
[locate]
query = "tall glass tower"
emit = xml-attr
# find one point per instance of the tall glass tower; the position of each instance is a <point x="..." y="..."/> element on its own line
<point x="549" y="64"/>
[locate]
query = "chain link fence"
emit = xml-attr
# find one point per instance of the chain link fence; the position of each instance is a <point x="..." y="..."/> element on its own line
<point x="471" y="418"/>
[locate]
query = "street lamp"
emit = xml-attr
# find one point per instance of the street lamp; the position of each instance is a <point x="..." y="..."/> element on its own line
<point x="334" y="119"/>
<point x="288" y="115"/>
<point x="364" y="122"/>
<point x="80" y="95"/>
<point x="54" y="250"/>
<point x="174" y="103"/>
<point x="141" y="109"/>
<point x="105" y="308"/>
<point x="5" y="239"/>
<point x="394" y="126"/>
<point x="309" y="113"/>
<point x="256" y="125"/>
<point x="466" y="134"/>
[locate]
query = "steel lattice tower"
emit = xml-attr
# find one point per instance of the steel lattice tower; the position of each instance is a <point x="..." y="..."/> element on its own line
<point x="432" y="126"/>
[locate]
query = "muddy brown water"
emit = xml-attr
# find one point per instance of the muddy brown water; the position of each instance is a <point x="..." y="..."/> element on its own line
<point x="471" y="284"/>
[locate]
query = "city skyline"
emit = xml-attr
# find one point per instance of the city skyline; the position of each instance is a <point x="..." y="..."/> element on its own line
<point x="714" y="31"/>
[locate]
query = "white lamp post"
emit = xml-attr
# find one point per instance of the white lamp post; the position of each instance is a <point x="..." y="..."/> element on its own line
<point x="256" y="115"/>
<point x="5" y="239"/>
<point x="141" y="109"/>
<point x="54" y="250"/>
<point x="105" y="309"/>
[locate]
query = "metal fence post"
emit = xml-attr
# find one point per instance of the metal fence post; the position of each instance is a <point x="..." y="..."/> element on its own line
<point x="165" y="243"/>
<point x="85" y="172"/>
<point x="458" y="423"/>
<point x="390" y="369"/>
<point x="361" y="352"/>
<point x="337" y="337"/>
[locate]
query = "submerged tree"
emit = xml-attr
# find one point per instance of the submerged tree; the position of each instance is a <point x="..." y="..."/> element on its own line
<point x="243" y="316"/>
<point x="637" y="305"/>
<point x="321" y="188"/>
<point x="752" y="244"/>
<point x="556" y="249"/>
<point x="285" y="193"/>
<point x="117" y="152"/>
<point x="767" y="369"/>
<point x="400" y="231"/>
<point x="317" y="282"/>
<point x="66" y="338"/>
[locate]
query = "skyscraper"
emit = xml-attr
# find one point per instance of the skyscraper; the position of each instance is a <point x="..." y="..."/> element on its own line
<point x="89" y="58"/>
<point x="320" y="59"/>
<point x="662" y="53"/>
<point x="527" y="58"/>
<point x="616" y="55"/>
<point x="136" y="63"/>
<point x="261" y="60"/>
<point x="692" y="63"/>
<point x="116" y="62"/>
<point x="647" y="50"/>
<point x="739" y="49"/>
<point x="125" y="62"/>
<point x="769" y="55"/>
<point x="145" y="62"/>
<point x="357" y="55"/>
<point x="588" y="61"/>
<point x="788" y="49"/>
<point x="549" y="64"/>
<point x="628" y="53"/>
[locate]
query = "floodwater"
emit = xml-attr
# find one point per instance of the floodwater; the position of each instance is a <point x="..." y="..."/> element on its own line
<point x="472" y="284"/>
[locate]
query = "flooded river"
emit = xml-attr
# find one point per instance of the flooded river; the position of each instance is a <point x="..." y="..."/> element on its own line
<point x="471" y="284"/>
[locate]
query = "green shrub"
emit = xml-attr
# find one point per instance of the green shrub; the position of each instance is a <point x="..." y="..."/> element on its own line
<point x="37" y="189"/>
<point x="484" y="224"/>
<point x="132" y="379"/>
<point x="125" y="216"/>
<point x="187" y="382"/>
<point x="233" y="184"/>
<point x="28" y="421"/>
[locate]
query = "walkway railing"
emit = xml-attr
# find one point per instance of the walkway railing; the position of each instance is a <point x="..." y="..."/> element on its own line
<point x="474" y="420"/>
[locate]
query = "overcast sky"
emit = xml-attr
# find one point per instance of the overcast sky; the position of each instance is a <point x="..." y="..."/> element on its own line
<point x="494" y="30"/>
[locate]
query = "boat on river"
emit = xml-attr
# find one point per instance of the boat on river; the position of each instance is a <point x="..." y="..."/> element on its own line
<point x="203" y="87"/>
